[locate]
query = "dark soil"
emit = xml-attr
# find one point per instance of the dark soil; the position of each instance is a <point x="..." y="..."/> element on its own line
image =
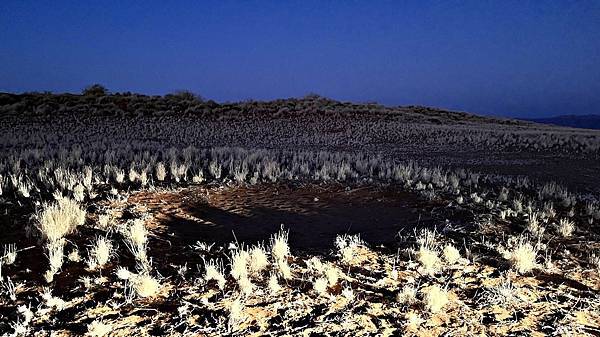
<point x="313" y="214"/>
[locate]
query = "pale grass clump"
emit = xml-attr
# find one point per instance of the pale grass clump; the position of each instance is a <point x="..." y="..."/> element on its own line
<point x="435" y="298"/>
<point x="427" y="255"/>
<point x="279" y="245"/>
<point x="503" y="293"/>
<point x="55" y="252"/>
<point x="10" y="254"/>
<point x="161" y="171"/>
<point x="123" y="274"/>
<point x="451" y="254"/>
<point x="142" y="284"/>
<point x="51" y="301"/>
<point x="280" y="250"/>
<point x="348" y="248"/>
<point x="79" y="193"/>
<point x="144" y="178"/>
<point x="534" y="226"/>
<point x="239" y="270"/>
<point x="258" y="260"/>
<point x="198" y="177"/>
<point x="136" y="239"/>
<point x="331" y="274"/>
<point x="60" y="218"/>
<point x="214" y="271"/>
<point x="236" y="314"/>
<point x="523" y="256"/>
<point x="348" y="294"/>
<point x="246" y="286"/>
<point x="145" y="285"/>
<point x="273" y="284"/>
<point x="284" y="269"/>
<point x="133" y="175"/>
<point x="566" y="228"/>
<point x="104" y="221"/>
<point x="100" y="253"/>
<point x="408" y="295"/>
<point x="320" y="286"/>
<point x="239" y="264"/>
<point x="98" y="329"/>
<point x="74" y="255"/>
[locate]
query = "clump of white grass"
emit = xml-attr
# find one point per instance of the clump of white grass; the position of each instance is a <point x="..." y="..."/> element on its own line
<point x="55" y="252"/>
<point x="435" y="298"/>
<point x="258" y="260"/>
<point x="503" y="293"/>
<point x="331" y="274"/>
<point x="214" y="271"/>
<point x="51" y="301"/>
<point x="145" y="285"/>
<point x="534" y="226"/>
<point x="239" y="264"/>
<point x="104" y="221"/>
<point x="133" y="175"/>
<point x="348" y="294"/>
<point x="566" y="228"/>
<point x="279" y="245"/>
<point x="451" y="254"/>
<point x="523" y="256"/>
<point x="273" y="284"/>
<point x="198" y="177"/>
<point x="428" y="255"/>
<point x="99" y="253"/>
<point x="320" y="286"/>
<point x="61" y="218"/>
<point x="123" y="273"/>
<point x="246" y="286"/>
<point x="280" y="250"/>
<point x="98" y="329"/>
<point x="161" y="171"/>
<point x="136" y="239"/>
<point x="10" y="254"/>
<point x="79" y="193"/>
<point x="74" y="255"/>
<point x="119" y="175"/>
<point x="236" y="314"/>
<point x="407" y="296"/>
<point x="348" y="247"/>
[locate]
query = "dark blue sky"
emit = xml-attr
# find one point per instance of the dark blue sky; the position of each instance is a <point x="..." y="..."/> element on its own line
<point x="521" y="58"/>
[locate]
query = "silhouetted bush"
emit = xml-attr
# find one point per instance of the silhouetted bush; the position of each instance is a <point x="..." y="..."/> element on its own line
<point x="95" y="90"/>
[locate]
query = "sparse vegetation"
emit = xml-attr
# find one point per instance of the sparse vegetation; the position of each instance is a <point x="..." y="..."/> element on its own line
<point x="486" y="253"/>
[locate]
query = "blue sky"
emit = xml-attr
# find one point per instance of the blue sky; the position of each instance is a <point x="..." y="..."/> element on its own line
<point x="511" y="58"/>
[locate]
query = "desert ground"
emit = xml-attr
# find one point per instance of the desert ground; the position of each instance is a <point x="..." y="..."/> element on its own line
<point x="172" y="215"/>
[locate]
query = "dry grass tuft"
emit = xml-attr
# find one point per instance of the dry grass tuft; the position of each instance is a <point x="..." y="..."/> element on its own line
<point x="214" y="272"/>
<point x="435" y="298"/>
<point x="258" y="260"/>
<point x="60" y="218"/>
<point x="451" y="254"/>
<point x="523" y="257"/>
<point x="99" y="253"/>
<point x="566" y="228"/>
<point x="98" y="329"/>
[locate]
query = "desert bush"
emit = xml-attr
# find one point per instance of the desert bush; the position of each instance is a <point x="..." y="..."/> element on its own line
<point x="95" y="90"/>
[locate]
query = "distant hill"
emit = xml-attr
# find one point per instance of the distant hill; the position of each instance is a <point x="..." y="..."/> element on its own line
<point x="583" y="121"/>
